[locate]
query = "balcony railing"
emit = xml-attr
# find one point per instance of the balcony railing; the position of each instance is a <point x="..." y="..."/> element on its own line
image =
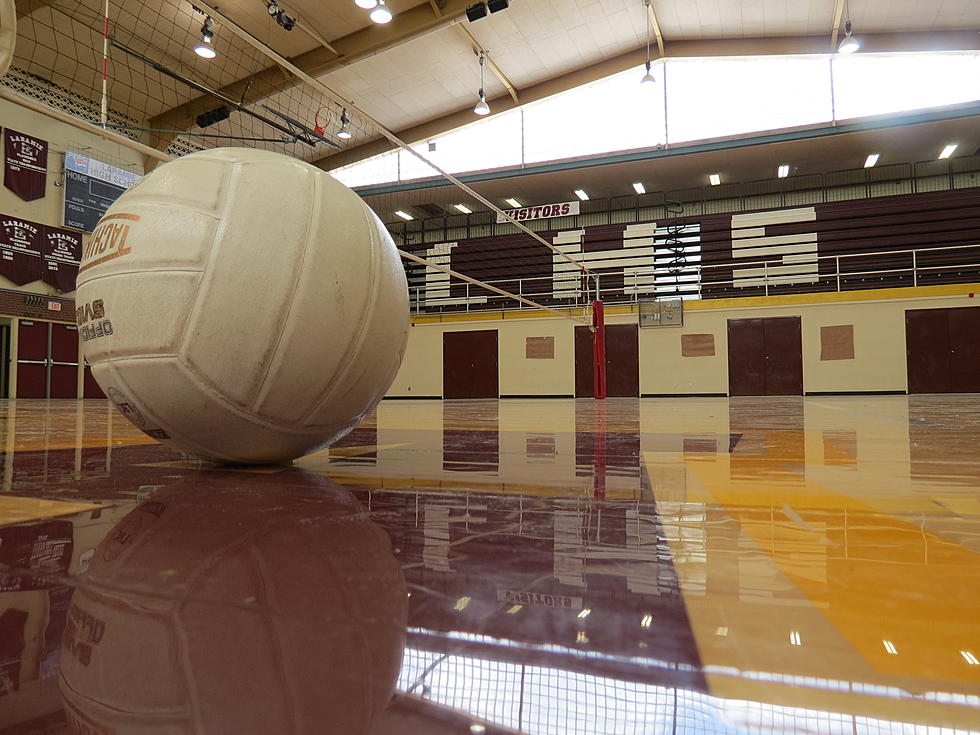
<point x="733" y="278"/>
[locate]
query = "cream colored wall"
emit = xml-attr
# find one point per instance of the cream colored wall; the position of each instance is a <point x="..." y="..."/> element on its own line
<point x="61" y="137"/>
<point x="421" y="371"/>
<point x="879" y="346"/>
<point x="878" y="363"/>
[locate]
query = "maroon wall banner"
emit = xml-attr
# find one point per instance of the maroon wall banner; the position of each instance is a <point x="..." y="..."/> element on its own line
<point x="62" y="252"/>
<point x="20" y="250"/>
<point x="25" y="170"/>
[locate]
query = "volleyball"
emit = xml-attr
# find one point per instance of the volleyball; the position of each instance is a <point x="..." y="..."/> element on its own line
<point x="242" y="305"/>
<point x="8" y="33"/>
<point x="270" y="604"/>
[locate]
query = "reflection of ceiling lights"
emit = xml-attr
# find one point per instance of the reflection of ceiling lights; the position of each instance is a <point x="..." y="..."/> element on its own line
<point x="381" y="13"/>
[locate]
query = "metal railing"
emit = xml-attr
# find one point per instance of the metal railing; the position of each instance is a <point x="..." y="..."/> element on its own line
<point x="732" y="278"/>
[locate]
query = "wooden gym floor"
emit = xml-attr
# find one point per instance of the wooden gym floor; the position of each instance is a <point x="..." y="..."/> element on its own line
<point x="703" y="565"/>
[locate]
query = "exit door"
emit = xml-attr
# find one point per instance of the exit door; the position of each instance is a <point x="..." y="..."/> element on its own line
<point x="47" y="360"/>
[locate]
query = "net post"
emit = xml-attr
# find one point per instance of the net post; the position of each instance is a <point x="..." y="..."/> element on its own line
<point x="598" y="350"/>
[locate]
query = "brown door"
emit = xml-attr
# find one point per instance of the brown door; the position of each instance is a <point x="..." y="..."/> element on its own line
<point x="32" y="359"/>
<point x="765" y="357"/>
<point x="64" y="361"/>
<point x="784" y="356"/>
<point x="964" y="350"/>
<point x="622" y="361"/>
<point x="942" y="350"/>
<point x="746" y="357"/>
<point x="469" y="364"/>
<point x="927" y="350"/>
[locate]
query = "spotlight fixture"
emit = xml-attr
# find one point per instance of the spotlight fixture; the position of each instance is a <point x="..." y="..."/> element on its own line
<point x="580" y="193"/>
<point x="648" y="77"/>
<point x="871" y="160"/>
<point x="482" y="108"/>
<point x="205" y="49"/>
<point x="783" y="170"/>
<point x="848" y="44"/>
<point x="714" y="179"/>
<point x="513" y="202"/>
<point x="948" y="150"/>
<point x="344" y="133"/>
<point x="498" y="5"/>
<point x="272" y="9"/>
<point x="366" y="4"/>
<point x="404" y="215"/>
<point x="639" y="188"/>
<point x="463" y="208"/>
<point x="381" y="13"/>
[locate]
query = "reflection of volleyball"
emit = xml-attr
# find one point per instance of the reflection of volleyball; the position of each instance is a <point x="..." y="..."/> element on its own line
<point x="242" y="305"/>
<point x="267" y="606"/>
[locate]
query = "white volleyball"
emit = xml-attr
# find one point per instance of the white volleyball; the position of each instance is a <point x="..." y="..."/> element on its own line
<point x="242" y="305"/>
<point x="8" y="33"/>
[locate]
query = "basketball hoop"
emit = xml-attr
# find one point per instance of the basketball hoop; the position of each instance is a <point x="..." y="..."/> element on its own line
<point x="321" y="120"/>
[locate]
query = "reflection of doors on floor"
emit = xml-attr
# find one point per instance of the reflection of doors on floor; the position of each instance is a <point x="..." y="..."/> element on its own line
<point x="469" y="364"/>
<point x="47" y="360"/>
<point x="622" y="361"/>
<point x="765" y="357"/>
<point x="942" y="349"/>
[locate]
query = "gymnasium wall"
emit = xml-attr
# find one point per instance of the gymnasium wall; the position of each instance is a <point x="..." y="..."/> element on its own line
<point x="60" y="137"/>
<point x="876" y="319"/>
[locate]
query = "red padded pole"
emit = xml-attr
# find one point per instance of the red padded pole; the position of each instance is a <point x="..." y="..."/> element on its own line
<point x="598" y="350"/>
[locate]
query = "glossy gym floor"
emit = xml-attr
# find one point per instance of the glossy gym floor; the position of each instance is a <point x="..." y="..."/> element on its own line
<point x="699" y="565"/>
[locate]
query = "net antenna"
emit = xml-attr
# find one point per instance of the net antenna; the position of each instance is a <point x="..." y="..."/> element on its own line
<point x="394" y="139"/>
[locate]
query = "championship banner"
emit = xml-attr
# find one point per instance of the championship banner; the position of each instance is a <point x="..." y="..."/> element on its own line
<point x="62" y="253"/>
<point x="20" y="250"/>
<point x="25" y="168"/>
<point x="542" y="211"/>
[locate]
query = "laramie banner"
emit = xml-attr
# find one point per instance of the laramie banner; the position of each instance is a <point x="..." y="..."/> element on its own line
<point x="25" y="170"/>
<point x="33" y="252"/>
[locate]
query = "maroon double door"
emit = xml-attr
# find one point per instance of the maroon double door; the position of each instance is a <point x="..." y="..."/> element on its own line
<point x="47" y="360"/>
<point x="622" y="361"/>
<point x="942" y="350"/>
<point x="765" y="357"/>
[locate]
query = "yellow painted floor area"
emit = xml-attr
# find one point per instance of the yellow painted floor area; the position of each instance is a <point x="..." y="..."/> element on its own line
<point x="702" y="565"/>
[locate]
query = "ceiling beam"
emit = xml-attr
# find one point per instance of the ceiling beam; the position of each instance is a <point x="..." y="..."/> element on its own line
<point x="363" y="43"/>
<point x="494" y="67"/>
<point x="655" y="24"/>
<point x="835" y="31"/>
<point x="917" y="41"/>
<point x="26" y="7"/>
